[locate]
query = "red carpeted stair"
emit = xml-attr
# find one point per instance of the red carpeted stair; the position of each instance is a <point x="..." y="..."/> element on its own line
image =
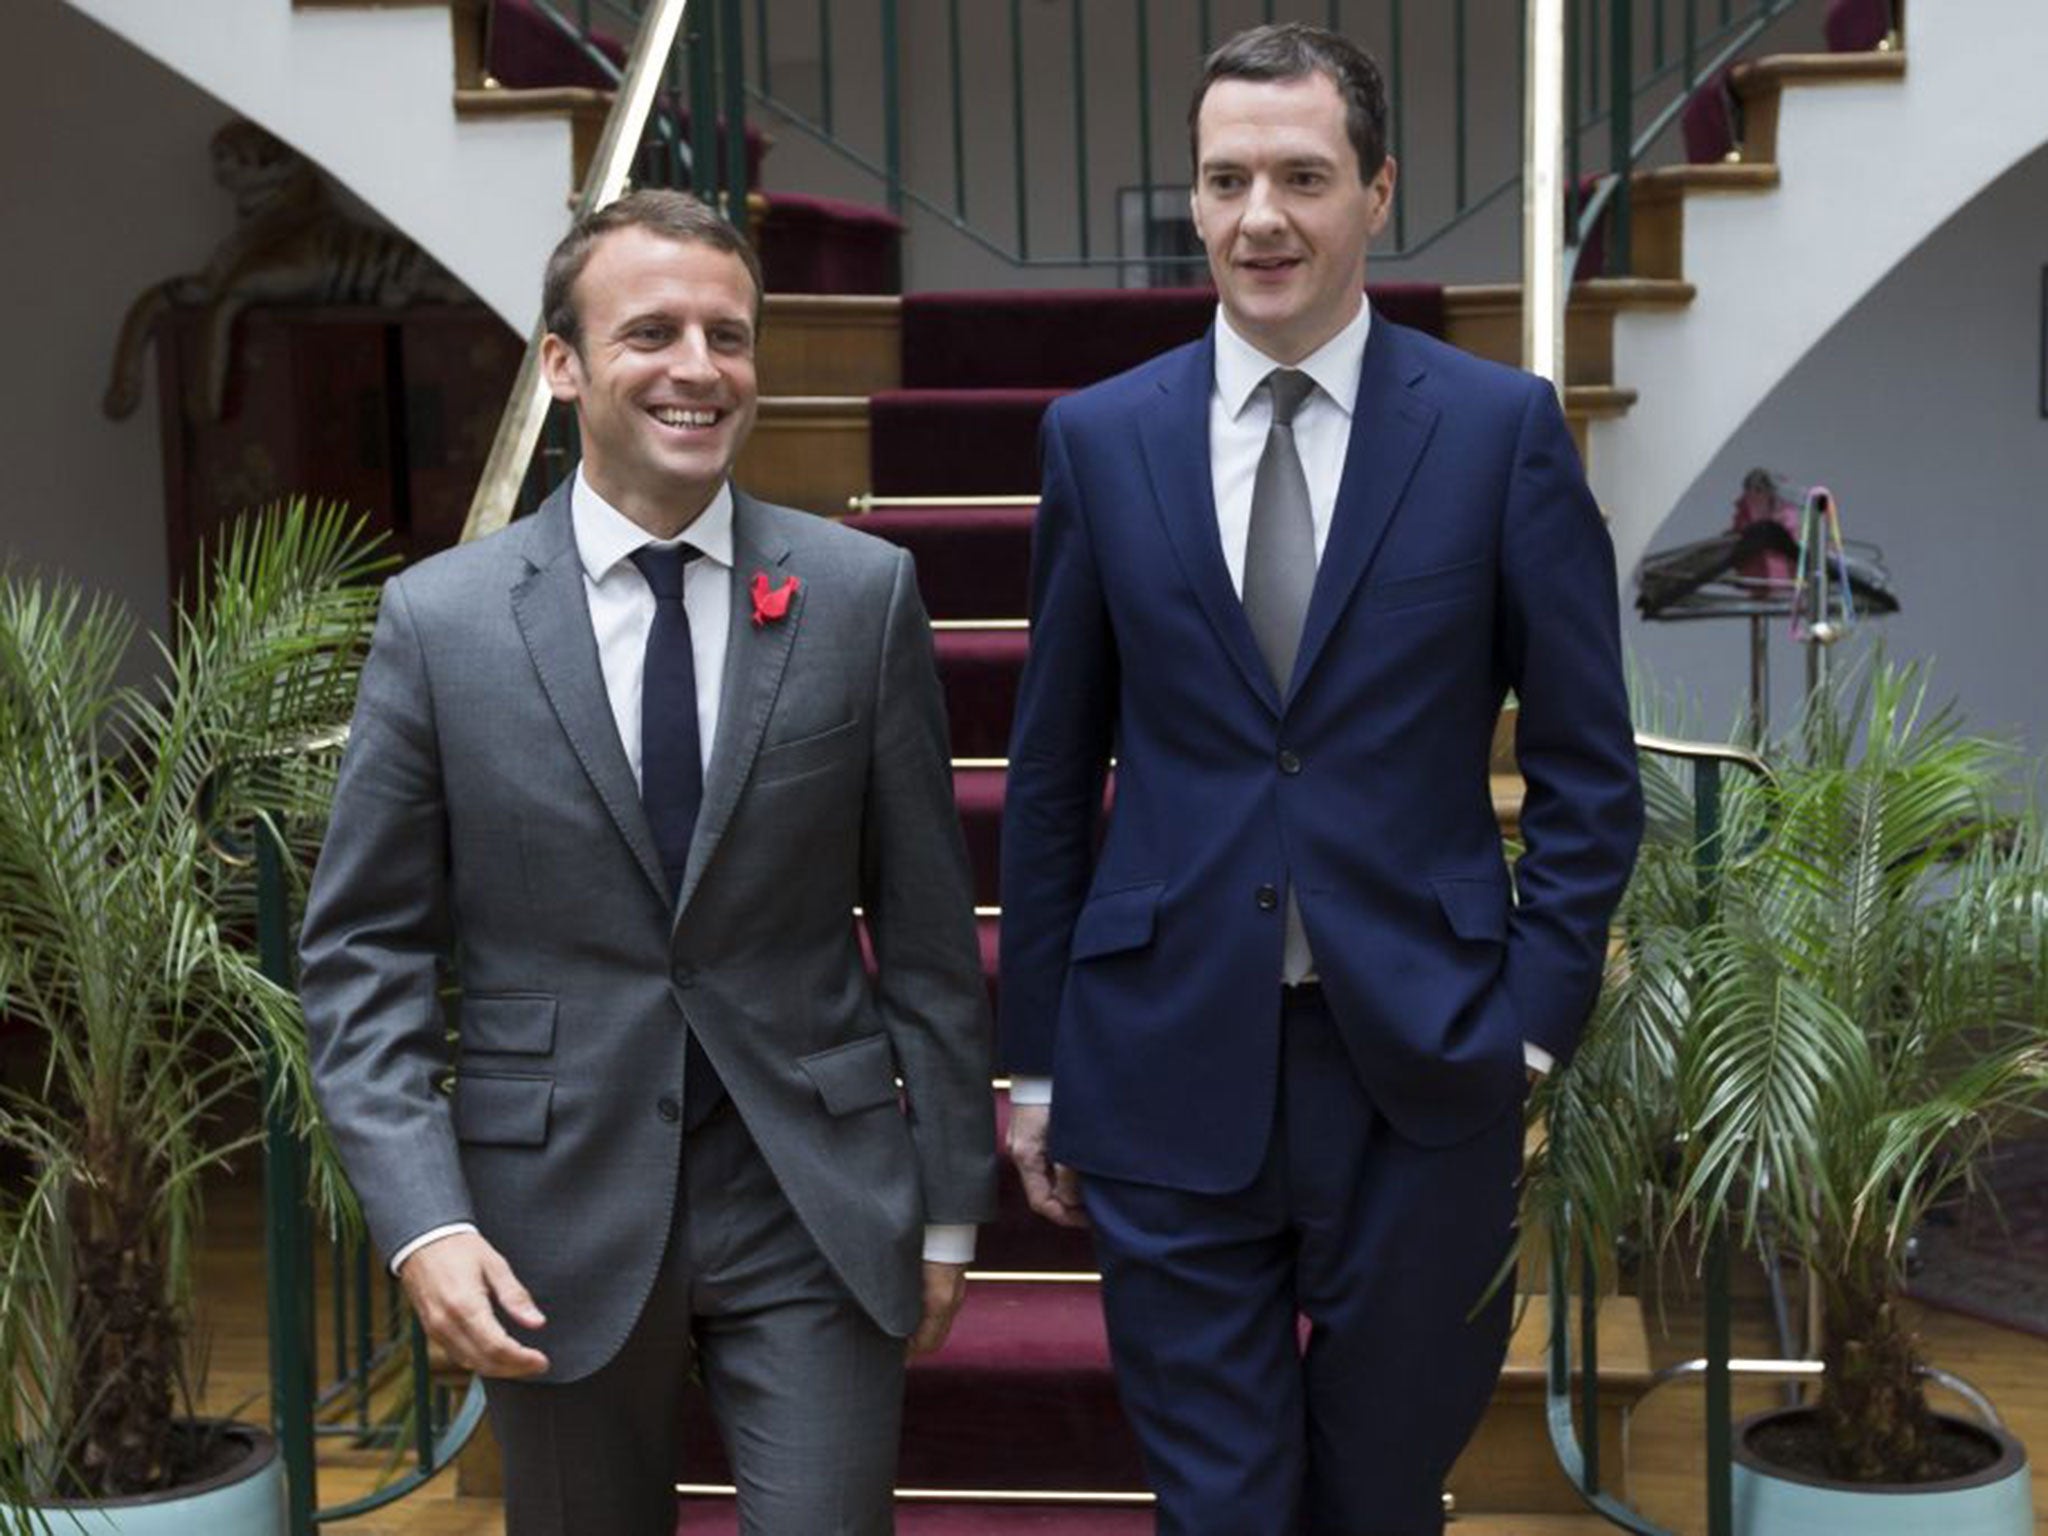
<point x="1022" y="1401"/>
<point x="980" y="668"/>
<point x="825" y="245"/>
<point x="972" y="562"/>
<point x="955" y="442"/>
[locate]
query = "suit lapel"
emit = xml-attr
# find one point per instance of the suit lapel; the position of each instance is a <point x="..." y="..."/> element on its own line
<point x="1390" y="426"/>
<point x="553" y="615"/>
<point x="755" y="658"/>
<point x="1175" y="439"/>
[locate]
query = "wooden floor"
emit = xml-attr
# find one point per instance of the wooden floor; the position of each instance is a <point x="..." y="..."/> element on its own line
<point x="1662" y="1473"/>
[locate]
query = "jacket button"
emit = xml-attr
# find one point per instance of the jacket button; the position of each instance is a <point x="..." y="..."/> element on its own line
<point x="1268" y="898"/>
<point x="669" y="1110"/>
<point x="1289" y="763"/>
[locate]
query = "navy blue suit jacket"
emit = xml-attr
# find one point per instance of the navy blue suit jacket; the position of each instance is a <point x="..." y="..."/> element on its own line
<point x="1465" y="558"/>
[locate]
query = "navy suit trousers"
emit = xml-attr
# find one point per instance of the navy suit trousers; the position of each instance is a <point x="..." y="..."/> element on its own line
<point x="1309" y="1354"/>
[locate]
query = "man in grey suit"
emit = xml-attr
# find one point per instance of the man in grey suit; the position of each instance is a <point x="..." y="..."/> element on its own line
<point x="632" y="764"/>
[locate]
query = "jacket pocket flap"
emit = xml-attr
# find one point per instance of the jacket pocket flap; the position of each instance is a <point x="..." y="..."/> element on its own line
<point x="521" y="1023"/>
<point x="1116" y="921"/>
<point x="1476" y="906"/>
<point x="502" y="1111"/>
<point x="857" y="1075"/>
<point x="1447" y="581"/>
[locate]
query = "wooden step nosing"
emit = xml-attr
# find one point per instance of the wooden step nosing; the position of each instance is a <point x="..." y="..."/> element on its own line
<point x="1668" y="183"/>
<point x="1589" y="294"/>
<point x="1758" y="76"/>
<point x="1600" y="399"/>
<point x="502" y="101"/>
<point x="834" y="306"/>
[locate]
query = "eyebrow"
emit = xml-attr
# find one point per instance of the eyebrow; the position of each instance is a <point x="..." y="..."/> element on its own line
<point x="663" y="317"/>
<point x="1288" y="163"/>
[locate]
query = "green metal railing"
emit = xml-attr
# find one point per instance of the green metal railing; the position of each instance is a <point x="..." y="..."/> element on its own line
<point x="1577" y="1441"/>
<point x="1029" y="88"/>
<point x="1673" y="62"/>
<point x="380" y="1390"/>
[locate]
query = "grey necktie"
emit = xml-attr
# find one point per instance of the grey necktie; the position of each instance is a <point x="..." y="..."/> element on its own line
<point x="1279" y="576"/>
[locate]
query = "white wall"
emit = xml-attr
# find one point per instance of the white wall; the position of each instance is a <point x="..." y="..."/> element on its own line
<point x="103" y="155"/>
<point x="1922" y="412"/>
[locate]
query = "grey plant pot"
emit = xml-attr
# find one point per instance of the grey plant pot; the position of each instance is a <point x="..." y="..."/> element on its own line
<point x="246" y="1499"/>
<point x="1770" y="1501"/>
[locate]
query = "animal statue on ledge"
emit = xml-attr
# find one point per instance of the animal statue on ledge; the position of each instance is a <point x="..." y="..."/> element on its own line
<point x="291" y="246"/>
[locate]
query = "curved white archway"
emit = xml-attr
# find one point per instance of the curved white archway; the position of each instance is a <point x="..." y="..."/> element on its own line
<point x="1870" y="170"/>
<point x="368" y="94"/>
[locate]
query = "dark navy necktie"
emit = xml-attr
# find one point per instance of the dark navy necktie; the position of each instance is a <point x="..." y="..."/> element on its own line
<point x="672" y="763"/>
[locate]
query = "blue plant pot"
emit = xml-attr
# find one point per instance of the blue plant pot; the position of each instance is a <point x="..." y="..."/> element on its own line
<point x="245" y="1499"/>
<point x="1770" y="1501"/>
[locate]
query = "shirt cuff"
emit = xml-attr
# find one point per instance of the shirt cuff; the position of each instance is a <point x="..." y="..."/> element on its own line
<point x="1539" y="1061"/>
<point x="949" y="1243"/>
<point x="431" y="1235"/>
<point x="1030" y="1090"/>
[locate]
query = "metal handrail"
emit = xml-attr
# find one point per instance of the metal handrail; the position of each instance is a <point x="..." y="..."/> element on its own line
<point x="1612" y="196"/>
<point x="519" y="427"/>
<point x="868" y="501"/>
<point x="1580" y="1460"/>
<point x="363" y="1362"/>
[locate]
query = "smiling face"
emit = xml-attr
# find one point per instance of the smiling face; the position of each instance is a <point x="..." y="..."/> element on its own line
<point x="1282" y="211"/>
<point x="663" y="377"/>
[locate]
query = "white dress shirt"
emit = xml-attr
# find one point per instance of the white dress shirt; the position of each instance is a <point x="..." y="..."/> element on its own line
<point x="621" y="613"/>
<point x="1240" y="416"/>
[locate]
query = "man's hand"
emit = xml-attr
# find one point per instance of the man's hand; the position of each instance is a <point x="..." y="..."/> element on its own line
<point x="458" y="1284"/>
<point x="945" y="1287"/>
<point x="1051" y="1189"/>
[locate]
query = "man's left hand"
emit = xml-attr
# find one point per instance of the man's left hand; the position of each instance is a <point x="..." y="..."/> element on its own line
<point x="945" y="1287"/>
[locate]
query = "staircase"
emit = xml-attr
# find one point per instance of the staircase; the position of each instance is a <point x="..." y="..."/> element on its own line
<point x="1014" y="1427"/>
<point x="1848" y="162"/>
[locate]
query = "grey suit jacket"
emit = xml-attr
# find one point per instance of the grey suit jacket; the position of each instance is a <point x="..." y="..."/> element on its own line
<point x="487" y="816"/>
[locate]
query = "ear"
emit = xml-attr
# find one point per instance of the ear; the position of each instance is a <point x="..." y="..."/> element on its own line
<point x="1381" y="191"/>
<point x="561" y="367"/>
<point x="1195" y="214"/>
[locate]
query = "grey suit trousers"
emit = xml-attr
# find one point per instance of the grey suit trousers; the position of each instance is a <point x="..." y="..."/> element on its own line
<point x="807" y="1391"/>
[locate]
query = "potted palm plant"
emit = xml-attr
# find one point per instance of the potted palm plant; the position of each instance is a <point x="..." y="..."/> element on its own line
<point x="1822" y="1048"/>
<point x="123" y="959"/>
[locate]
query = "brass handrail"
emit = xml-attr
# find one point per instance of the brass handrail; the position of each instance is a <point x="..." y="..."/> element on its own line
<point x="526" y="410"/>
<point x="1705" y="752"/>
<point x="1543" y="134"/>
<point x="1577" y="1457"/>
<point x="868" y="501"/>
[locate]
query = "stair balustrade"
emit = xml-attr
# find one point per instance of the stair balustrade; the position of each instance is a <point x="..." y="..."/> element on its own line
<point x="1626" y="62"/>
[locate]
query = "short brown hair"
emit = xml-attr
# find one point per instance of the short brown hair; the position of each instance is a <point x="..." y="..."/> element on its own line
<point x="673" y="215"/>
<point x="1290" y="50"/>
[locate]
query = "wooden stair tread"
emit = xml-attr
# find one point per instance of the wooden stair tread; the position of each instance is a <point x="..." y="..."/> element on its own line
<point x="830" y="306"/>
<point x="503" y="101"/>
<point x="1756" y="76"/>
<point x="1602" y="400"/>
<point x="1669" y="182"/>
<point x="1624" y="1344"/>
<point x="1609" y="293"/>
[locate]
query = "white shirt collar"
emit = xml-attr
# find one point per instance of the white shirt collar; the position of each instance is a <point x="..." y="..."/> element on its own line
<point x="605" y="535"/>
<point x="1335" y="366"/>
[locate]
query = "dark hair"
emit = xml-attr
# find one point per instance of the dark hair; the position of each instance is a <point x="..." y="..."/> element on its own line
<point x="1290" y="50"/>
<point x="673" y="215"/>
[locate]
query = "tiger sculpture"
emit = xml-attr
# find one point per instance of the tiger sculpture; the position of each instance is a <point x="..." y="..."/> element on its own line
<point x="291" y="245"/>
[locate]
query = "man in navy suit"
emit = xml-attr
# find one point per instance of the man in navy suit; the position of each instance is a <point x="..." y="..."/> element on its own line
<point x="1271" y="1038"/>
